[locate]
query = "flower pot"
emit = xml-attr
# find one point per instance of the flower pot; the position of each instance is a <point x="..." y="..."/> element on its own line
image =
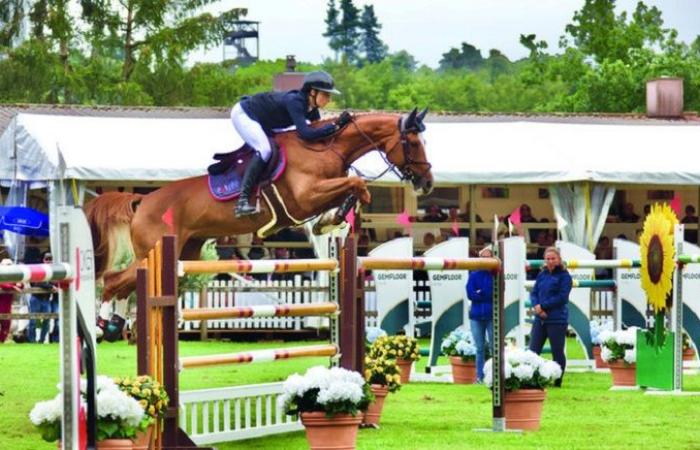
<point x="115" y="444"/>
<point x="688" y="354"/>
<point x="623" y="374"/>
<point x="599" y="363"/>
<point x="142" y="441"/>
<point x="374" y="410"/>
<point x="405" y="367"/>
<point x="524" y="408"/>
<point x="463" y="372"/>
<point x="337" y="433"/>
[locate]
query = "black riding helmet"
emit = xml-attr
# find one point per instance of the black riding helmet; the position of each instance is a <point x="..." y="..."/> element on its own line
<point x="319" y="80"/>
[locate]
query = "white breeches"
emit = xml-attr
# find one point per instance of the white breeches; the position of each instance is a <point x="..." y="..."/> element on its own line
<point x="251" y="132"/>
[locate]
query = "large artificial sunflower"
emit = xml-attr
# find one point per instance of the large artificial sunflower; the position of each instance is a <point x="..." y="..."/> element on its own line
<point x="658" y="255"/>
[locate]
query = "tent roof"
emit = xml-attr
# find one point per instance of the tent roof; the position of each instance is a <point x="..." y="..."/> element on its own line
<point x="481" y="150"/>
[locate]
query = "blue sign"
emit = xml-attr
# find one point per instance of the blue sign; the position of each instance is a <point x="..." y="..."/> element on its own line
<point x="23" y="220"/>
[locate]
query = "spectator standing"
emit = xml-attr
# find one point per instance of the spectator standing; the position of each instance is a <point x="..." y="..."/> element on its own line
<point x="6" y="297"/>
<point x="690" y="218"/>
<point x="480" y="292"/>
<point x="41" y="303"/>
<point x="549" y="298"/>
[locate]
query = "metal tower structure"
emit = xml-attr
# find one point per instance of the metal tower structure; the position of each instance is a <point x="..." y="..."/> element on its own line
<point x="241" y="43"/>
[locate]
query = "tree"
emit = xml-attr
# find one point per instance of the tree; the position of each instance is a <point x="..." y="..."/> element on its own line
<point x="151" y="32"/>
<point x="348" y="31"/>
<point x="598" y="32"/>
<point x="372" y="45"/>
<point x="468" y="57"/>
<point x="11" y="16"/>
<point x="333" y="28"/>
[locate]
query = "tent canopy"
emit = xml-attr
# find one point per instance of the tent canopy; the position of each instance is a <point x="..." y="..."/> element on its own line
<point x="50" y="147"/>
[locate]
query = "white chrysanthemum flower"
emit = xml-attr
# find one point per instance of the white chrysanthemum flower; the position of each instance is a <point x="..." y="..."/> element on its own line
<point x="523" y="372"/>
<point x="120" y="406"/>
<point x="550" y="370"/>
<point x="631" y="356"/>
<point x="340" y="392"/>
<point x="465" y="348"/>
<point x="606" y="354"/>
<point x="295" y="385"/>
<point x="47" y="412"/>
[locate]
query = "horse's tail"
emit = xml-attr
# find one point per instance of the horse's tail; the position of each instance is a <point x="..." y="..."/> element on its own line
<point x="109" y="216"/>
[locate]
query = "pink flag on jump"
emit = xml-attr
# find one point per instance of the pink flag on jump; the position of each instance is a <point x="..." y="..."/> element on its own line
<point x="350" y="218"/>
<point x="676" y="204"/>
<point x="515" y="220"/>
<point x="455" y="228"/>
<point x="404" y="219"/>
<point x="167" y="219"/>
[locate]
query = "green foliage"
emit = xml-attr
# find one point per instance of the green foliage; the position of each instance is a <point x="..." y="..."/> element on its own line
<point x="195" y="282"/>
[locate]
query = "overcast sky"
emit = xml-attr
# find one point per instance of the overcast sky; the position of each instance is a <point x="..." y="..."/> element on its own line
<point x="428" y="28"/>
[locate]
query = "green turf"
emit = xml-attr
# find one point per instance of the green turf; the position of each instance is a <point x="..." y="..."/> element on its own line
<point x="583" y="414"/>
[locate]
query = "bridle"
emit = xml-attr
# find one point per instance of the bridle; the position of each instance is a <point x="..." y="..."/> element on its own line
<point x="404" y="173"/>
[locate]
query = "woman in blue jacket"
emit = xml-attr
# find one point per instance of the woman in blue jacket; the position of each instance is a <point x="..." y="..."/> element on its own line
<point x="549" y="299"/>
<point x="480" y="292"/>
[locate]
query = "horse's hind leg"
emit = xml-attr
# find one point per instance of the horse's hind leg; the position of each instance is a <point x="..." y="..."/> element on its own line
<point x="119" y="284"/>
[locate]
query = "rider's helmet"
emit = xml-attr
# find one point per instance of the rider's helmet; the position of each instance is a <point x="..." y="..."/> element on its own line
<point x="319" y="80"/>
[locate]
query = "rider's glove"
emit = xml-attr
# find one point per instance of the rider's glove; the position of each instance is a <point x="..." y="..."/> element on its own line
<point x="344" y="119"/>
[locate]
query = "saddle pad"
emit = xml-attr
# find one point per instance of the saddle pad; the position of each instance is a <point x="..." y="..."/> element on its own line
<point x="227" y="185"/>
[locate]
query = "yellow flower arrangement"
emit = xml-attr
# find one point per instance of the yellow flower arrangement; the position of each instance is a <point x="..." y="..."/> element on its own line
<point x="396" y="347"/>
<point x="148" y="392"/>
<point x="382" y="370"/>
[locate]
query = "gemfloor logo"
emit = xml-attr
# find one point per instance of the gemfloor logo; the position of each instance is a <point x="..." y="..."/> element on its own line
<point x="630" y="276"/>
<point x="392" y="276"/>
<point x="447" y="277"/>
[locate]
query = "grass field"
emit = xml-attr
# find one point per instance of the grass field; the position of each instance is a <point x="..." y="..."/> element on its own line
<point x="583" y="414"/>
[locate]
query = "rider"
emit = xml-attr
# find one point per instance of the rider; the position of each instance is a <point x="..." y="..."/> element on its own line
<point x="256" y="117"/>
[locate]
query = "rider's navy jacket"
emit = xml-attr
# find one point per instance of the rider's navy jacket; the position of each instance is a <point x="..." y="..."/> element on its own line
<point x="274" y="110"/>
<point x="480" y="292"/>
<point x="551" y="292"/>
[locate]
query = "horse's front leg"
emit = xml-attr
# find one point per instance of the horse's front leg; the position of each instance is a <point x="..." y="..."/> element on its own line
<point x="330" y="193"/>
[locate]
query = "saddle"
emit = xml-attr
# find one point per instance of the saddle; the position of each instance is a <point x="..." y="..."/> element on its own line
<point x="226" y="175"/>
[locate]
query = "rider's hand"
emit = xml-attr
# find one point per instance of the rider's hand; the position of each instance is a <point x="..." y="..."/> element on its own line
<point x="344" y="119"/>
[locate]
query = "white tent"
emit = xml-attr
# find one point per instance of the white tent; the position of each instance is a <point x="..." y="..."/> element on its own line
<point x="49" y="147"/>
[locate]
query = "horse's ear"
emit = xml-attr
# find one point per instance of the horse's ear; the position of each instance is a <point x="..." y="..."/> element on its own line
<point x="410" y="121"/>
<point x="422" y="114"/>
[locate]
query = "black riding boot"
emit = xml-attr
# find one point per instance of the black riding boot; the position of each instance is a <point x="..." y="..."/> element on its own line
<point x="250" y="178"/>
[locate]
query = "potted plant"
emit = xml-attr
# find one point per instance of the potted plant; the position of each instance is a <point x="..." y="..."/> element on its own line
<point x="618" y="349"/>
<point x="384" y="376"/>
<point x="329" y="403"/>
<point x="403" y="349"/>
<point x="153" y="399"/>
<point x="119" y="417"/>
<point x="688" y="350"/>
<point x="460" y="348"/>
<point x="598" y="326"/>
<point x="526" y="376"/>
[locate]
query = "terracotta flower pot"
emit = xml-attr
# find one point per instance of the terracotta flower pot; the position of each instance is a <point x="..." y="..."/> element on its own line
<point x="599" y="363"/>
<point x="336" y="433"/>
<point x="115" y="444"/>
<point x="405" y="367"/>
<point x="374" y="411"/>
<point x="142" y="441"/>
<point x="463" y="372"/>
<point x="524" y="408"/>
<point x="688" y="354"/>
<point x="623" y="374"/>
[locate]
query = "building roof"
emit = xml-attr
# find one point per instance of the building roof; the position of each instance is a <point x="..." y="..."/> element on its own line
<point x="77" y="142"/>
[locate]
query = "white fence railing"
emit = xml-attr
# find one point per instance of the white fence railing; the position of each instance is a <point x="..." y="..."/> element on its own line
<point x="234" y="413"/>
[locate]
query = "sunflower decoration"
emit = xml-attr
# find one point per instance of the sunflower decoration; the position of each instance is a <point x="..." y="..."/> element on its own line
<point x="658" y="255"/>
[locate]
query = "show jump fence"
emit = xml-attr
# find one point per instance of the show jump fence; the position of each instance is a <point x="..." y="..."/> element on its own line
<point x="241" y="412"/>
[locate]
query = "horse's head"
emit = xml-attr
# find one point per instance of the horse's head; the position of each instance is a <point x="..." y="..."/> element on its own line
<point x="408" y="154"/>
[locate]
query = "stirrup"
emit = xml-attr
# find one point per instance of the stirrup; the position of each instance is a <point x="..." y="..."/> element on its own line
<point x="245" y="209"/>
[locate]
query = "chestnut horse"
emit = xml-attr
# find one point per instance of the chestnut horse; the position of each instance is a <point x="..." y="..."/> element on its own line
<point x="315" y="181"/>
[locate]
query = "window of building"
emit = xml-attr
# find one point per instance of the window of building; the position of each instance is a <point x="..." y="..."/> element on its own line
<point x="385" y="200"/>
